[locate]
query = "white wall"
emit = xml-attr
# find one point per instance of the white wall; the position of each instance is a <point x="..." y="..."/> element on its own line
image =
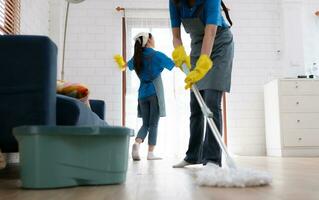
<point x="94" y="35"/>
<point x="292" y="23"/>
<point x="56" y="23"/>
<point x="274" y="38"/>
<point x="300" y="36"/>
<point x="269" y="44"/>
<point x="257" y="35"/>
<point x="35" y="17"/>
<point x="311" y="34"/>
<point x="42" y="17"/>
<point x="265" y="48"/>
<point x="91" y="44"/>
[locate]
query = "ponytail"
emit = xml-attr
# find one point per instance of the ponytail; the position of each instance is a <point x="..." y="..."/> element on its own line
<point x="178" y="2"/>
<point x="138" y="53"/>
<point x="138" y="50"/>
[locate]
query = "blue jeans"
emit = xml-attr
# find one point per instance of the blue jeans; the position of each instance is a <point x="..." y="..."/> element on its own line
<point x="150" y="115"/>
<point x="200" y="151"/>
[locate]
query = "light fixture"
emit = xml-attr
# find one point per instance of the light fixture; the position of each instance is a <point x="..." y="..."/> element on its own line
<point x="65" y="30"/>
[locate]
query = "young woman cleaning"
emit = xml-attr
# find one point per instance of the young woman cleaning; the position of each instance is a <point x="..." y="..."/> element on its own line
<point x="148" y="65"/>
<point x="211" y="41"/>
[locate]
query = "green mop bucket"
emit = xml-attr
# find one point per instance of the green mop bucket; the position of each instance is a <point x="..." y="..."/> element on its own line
<point x="65" y="156"/>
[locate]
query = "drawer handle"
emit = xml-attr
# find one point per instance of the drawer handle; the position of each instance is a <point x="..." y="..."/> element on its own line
<point x="299" y="139"/>
<point x="297" y="102"/>
<point x="298" y="120"/>
<point x="296" y="86"/>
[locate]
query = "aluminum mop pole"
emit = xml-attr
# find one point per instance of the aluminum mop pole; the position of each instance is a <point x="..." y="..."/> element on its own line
<point x="231" y="176"/>
<point x="208" y="115"/>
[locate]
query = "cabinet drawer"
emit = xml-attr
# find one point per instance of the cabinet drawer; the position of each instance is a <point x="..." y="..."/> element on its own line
<point x="300" y="120"/>
<point x="299" y="103"/>
<point x="305" y="87"/>
<point x="302" y="137"/>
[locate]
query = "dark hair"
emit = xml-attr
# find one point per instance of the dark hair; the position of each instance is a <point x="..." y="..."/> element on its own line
<point x="138" y="53"/>
<point x="178" y="2"/>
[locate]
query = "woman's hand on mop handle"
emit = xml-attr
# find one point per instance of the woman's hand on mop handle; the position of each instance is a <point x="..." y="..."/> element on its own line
<point x="203" y="65"/>
<point x="120" y="62"/>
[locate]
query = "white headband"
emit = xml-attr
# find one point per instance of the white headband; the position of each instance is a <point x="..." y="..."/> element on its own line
<point x="145" y="37"/>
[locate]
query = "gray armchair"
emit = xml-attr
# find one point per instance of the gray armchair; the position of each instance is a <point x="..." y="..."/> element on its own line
<point x="28" y="71"/>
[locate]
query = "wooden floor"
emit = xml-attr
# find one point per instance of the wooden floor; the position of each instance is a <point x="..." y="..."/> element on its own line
<point x="294" y="178"/>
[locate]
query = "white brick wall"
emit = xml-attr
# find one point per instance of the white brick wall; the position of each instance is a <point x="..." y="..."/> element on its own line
<point x="94" y="35"/>
<point x="35" y="17"/>
<point x="260" y="30"/>
<point x="56" y="17"/>
<point x="257" y="34"/>
<point x="311" y="34"/>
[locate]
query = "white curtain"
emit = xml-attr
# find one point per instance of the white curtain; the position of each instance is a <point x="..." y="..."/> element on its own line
<point x="143" y="13"/>
<point x="173" y="131"/>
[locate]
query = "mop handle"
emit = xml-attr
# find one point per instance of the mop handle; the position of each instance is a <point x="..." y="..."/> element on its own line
<point x="209" y="116"/>
<point x="206" y="111"/>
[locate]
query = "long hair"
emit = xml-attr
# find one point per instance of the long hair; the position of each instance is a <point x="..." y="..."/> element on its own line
<point x="138" y="53"/>
<point x="179" y="1"/>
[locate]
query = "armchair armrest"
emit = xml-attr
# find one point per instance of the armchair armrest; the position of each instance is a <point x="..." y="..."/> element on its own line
<point x="71" y="111"/>
<point x="98" y="106"/>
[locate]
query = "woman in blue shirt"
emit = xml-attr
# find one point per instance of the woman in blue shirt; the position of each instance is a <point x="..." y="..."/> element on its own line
<point x="211" y="41"/>
<point x="148" y="65"/>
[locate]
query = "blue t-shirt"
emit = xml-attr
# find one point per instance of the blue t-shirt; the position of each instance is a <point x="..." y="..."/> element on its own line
<point x="151" y="69"/>
<point x="211" y="12"/>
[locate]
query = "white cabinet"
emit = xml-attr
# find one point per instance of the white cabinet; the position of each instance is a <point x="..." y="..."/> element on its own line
<point x="292" y="117"/>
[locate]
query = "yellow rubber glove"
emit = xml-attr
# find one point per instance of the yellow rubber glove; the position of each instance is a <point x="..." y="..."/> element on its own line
<point x="179" y="56"/>
<point x="203" y="65"/>
<point x="120" y="62"/>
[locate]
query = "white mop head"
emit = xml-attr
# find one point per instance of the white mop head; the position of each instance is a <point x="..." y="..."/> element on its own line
<point x="213" y="175"/>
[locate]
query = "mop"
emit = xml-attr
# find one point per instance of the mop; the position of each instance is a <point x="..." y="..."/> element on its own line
<point x="229" y="175"/>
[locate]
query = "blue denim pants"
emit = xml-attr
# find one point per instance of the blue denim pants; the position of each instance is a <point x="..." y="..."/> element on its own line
<point x="207" y="150"/>
<point x="150" y="115"/>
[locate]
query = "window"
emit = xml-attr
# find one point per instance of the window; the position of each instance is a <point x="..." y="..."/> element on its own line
<point x="9" y="17"/>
